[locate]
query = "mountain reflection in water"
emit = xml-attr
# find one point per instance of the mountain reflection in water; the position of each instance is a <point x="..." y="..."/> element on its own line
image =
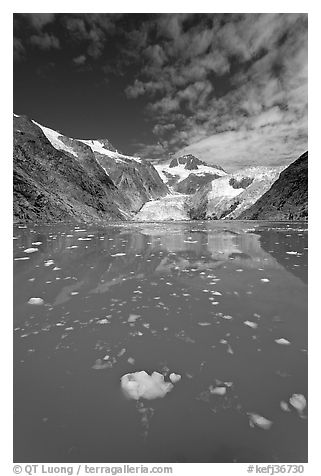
<point x="207" y="300"/>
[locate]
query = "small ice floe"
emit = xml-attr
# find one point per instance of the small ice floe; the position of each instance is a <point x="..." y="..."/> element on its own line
<point x="216" y="293"/>
<point x="227" y="317"/>
<point x="203" y="324"/>
<point x="299" y="402"/>
<point x="174" y="378"/>
<point x="21" y="259"/>
<point x="30" y="250"/>
<point x="118" y="254"/>
<point x="133" y="317"/>
<point x="131" y="360"/>
<point x="36" y="301"/>
<point x="74" y="293"/>
<point x="56" y="269"/>
<point x="291" y="252"/>
<point x="239" y="270"/>
<point x="101" y="364"/>
<point x="251" y="324"/>
<point x="141" y="385"/>
<point x="37" y="243"/>
<point x="265" y="280"/>
<point x="103" y="321"/>
<point x="84" y="239"/>
<point x="217" y="390"/>
<point x="49" y="262"/>
<point x="284" y="406"/>
<point x="282" y="341"/>
<point x="260" y="421"/>
<point x="121" y="352"/>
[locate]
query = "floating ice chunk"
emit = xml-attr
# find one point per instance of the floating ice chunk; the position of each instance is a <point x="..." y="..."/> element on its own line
<point x="101" y="365"/>
<point x="37" y="243"/>
<point x="216" y="293"/>
<point x="118" y="254"/>
<point x="30" y="250"/>
<point x="21" y="259"/>
<point x="265" y="280"/>
<point x="203" y="324"/>
<point x="291" y="252"/>
<point x="260" y="421"/>
<point x="103" y="321"/>
<point x="251" y="324"/>
<point x="141" y="385"/>
<point x="218" y="390"/>
<point x="284" y="406"/>
<point x="56" y="269"/>
<point x="49" y="262"/>
<point x="174" y="377"/>
<point x="282" y="341"/>
<point x="36" y="301"/>
<point x="298" y="401"/>
<point x="131" y="360"/>
<point x="133" y="318"/>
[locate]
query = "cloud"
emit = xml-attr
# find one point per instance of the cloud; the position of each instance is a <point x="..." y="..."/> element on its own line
<point x="18" y="49"/>
<point x="234" y="84"/>
<point x="45" y="41"/>
<point x="79" y="60"/>
<point x="40" y="20"/>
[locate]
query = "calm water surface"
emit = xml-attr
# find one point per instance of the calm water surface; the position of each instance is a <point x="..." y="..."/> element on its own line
<point x="207" y="300"/>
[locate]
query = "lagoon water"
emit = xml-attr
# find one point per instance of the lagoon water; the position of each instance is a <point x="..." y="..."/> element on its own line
<point x="223" y="304"/>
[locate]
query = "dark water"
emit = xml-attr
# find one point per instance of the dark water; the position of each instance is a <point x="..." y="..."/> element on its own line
<point x="192" y="286"/>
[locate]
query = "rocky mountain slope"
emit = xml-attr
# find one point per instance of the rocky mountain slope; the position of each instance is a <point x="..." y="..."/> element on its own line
<point x="56" y="177"/>
<point x="287" y="199"/>
<point x="186" y="174"/>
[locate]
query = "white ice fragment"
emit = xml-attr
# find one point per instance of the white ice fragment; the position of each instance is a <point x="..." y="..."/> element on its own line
<point x="118" y="254"/>
<point x="141" y="385"/>
<point x="291" y="252"/>
<point x="30" y="250"/>
<point x="21" y="259"/>
<point x="259" y="421"/>
<point x="36" y="301"/>
<point x="282" y="341"/>
<point x="203" y="324"/>
<point x="298" y="401"/>
<point x="133" y="318"/>
<point x="251" y="324"/>
<point x="37" y="243"/>
<point x="284" y="406"/>
<point x="103" y="321"/>
<point x="218" y="390"/>
<point x="56" y="269"/>
<point x="227" y="317"/>
<point x="174" y="377"/>
<point x="265" y="280"/>
<point x="131" y="360"/>
<point x="49" y="262"/>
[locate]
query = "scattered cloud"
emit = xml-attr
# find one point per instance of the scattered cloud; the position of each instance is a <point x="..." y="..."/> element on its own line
<point x="45" y="41"/>
<point x="80" y="60"/>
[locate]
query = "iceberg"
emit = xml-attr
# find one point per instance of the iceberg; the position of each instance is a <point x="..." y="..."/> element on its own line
<point x="141" y="385"/>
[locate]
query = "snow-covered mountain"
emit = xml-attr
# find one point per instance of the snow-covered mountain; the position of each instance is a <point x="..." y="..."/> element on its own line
<point x="56" y="177"/>
<point x="186" y="174"/>
<point x="227" y="197"/>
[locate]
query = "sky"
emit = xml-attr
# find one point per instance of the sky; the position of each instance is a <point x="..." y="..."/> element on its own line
<point x="228" y="88"/>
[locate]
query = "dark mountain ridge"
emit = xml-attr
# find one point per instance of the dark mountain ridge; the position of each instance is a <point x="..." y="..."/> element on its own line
<point x="287" y="199"/>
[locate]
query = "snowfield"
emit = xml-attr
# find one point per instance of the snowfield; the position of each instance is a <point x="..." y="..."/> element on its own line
<point x="183" y="173"/>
